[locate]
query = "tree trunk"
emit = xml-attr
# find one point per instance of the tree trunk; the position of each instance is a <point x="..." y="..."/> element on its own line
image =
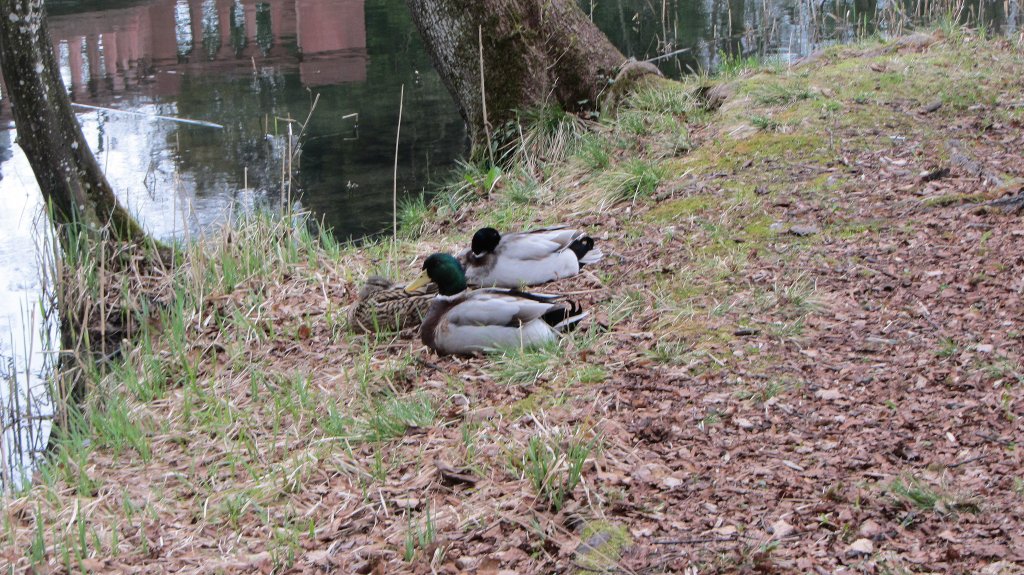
<point x="72" y="183"/>
<point x="535" y="52"/>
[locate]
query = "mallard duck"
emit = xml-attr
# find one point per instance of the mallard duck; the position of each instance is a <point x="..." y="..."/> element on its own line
<point x="466" y="321"/>
<point x="527" y="258"/>
<point x="383" y="306"/>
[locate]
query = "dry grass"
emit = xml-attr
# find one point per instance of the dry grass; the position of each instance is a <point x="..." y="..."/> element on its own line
<point x="241" y="426"/>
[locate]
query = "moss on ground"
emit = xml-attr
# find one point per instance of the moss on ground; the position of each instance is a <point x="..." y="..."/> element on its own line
<point x="602" y="545"/>
<point x="683" y="208"/>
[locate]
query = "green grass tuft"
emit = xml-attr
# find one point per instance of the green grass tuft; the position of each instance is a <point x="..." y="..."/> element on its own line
<point x="634" y="180"/>
<point x="524" y="367"/>
<point x="554" y="466"/>
<point x="413" y="213"/>
<point x="392" y="417"/>
<point x="733" y="65"/>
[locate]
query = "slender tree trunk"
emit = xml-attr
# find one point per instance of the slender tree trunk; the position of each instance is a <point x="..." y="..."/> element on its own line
<point x="535" y="52"/>
<point x="72" y="183"/>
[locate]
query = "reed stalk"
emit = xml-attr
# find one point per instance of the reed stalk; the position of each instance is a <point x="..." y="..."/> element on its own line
<point x="394" y="177"/>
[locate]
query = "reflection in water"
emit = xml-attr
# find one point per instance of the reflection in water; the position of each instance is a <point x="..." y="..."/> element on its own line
<point x="703" y="31"/>
<point x="264" y="36"/>
<point x="24" y="359"/>
<point x="182" y="28"/>
<point x="255" y="67"/>
<point x="211" y="29"/>
<point x="238" y="38"/>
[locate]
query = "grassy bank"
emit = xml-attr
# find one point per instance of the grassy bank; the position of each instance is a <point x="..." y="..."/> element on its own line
<point x="805" y="354"/>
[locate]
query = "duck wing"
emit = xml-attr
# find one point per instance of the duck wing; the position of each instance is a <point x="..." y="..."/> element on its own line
<point x="537" y="244"/>
<point x="497" y="307"/>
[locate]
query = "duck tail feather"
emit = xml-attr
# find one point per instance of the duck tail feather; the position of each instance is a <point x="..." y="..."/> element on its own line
<point x="582" y="246"/>
<point x="572" y="322"/>
<point x="592" y="257"/>
<point x="565" y="317"/>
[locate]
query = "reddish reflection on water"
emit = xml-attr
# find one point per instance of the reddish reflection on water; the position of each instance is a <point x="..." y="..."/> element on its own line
<point x="148" y="47"/>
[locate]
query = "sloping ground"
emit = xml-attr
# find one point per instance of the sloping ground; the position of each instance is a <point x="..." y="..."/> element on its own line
<point x="805" y="356"/>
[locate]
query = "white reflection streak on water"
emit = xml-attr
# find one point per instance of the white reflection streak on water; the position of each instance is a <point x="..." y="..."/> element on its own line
<point x="183" y="27"/>
<point x="239" y="15"/>
<point x="22" y="390"/>
<point x="63" y="55"/>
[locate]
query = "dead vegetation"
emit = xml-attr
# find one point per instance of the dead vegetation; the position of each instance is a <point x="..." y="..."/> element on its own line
<point x="805" y="356"/>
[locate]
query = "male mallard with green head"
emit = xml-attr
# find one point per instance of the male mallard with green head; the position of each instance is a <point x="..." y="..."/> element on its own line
<point x="527" y="258"/>
<point x="466" y="321"/>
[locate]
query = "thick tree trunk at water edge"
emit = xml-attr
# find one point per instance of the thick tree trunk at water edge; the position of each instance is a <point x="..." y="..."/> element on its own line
<point x="535" y="52"/>
<point x="72" y="183"/>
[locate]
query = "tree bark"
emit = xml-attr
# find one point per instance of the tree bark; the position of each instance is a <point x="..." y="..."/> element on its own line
<point x="535" y="52"/>
<point x="72" y="183"/>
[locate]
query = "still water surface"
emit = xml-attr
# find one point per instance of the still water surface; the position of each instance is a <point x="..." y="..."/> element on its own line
<point x="257" y="68"/>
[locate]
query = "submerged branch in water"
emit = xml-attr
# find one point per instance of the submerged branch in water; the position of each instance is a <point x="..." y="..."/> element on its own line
<point x="153" y="116"/>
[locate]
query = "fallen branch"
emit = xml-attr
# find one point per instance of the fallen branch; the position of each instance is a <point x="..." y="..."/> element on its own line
<point x="966" y="461"/>
<point x="693" y="541"/>
<point x="1009" y="204"/>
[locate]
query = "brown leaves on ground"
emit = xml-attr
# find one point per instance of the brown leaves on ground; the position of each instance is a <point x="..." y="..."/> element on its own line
<point x="840" y="393"/>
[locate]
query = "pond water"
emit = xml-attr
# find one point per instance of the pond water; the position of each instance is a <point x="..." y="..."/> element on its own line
<point x="330" y="74"/>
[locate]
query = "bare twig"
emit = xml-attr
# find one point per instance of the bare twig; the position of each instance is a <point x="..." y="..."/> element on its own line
<point x="966" y="461"/>
<point x="394" y="181"/>
<point x="696" y="540"/>
<point x="150" y="116"/>
<point x="309" y="116"/>
<point x="483" y="96"/>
